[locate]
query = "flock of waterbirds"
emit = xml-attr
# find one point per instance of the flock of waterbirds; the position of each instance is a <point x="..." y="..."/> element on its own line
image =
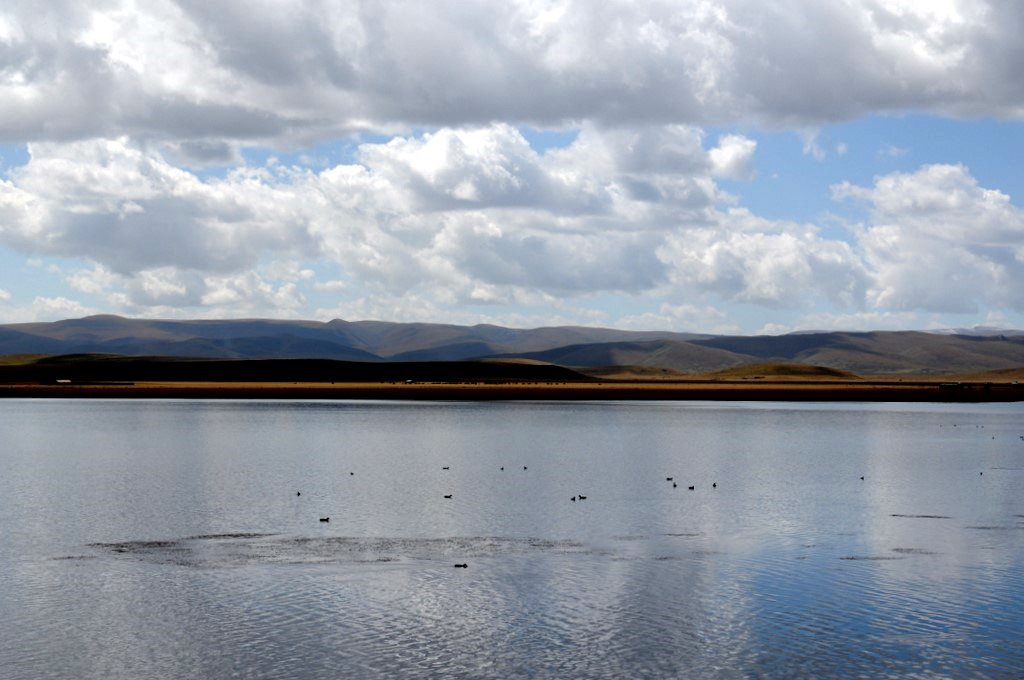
<point x="581" y="497"/>
<point x="577" y="497"/>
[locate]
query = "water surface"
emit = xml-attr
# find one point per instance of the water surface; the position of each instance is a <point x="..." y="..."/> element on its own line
<point x="170" y="539"/>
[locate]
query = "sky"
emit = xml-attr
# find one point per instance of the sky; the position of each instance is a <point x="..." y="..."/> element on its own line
<point x="715" y="166"/>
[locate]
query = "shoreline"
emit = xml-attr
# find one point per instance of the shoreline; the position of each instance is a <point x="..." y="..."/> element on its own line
<point x="695" y="390"/>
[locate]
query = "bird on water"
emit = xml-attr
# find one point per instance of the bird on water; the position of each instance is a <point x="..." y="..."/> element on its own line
<point x="325" y="519"/>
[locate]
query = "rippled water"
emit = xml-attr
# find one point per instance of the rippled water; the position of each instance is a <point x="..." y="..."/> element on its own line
<point x="168" y="539"/>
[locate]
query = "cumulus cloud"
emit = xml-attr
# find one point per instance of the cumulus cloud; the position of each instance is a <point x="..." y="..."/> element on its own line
<point x="475" y="216"/>
<point x="732" y="158"/>
<point x="289" y="74"/>
<point x="42" y="309"/>
<point x="856" y="321"/>
<point x="682" y="317"/>
<point x="469" y="216"/>
<point x="775" y="264"/>
<point x="939" y="241"/>
<point x="170" y="292"/>
<point x="116" y="204"/>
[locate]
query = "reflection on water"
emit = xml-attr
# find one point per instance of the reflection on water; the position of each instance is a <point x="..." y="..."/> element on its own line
<point x="182" y="539"/>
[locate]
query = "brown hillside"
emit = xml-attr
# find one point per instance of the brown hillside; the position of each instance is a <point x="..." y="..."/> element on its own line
<point x="779" y="371"/>
<point x="651" y="373"/>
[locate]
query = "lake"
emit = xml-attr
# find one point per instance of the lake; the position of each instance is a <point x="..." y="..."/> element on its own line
<point x="182" y="539"/>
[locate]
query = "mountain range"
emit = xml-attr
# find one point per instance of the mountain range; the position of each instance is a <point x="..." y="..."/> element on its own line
<point x="868" y="353"/>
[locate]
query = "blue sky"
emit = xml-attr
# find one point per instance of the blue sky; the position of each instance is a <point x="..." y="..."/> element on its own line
<point x="716" y="166"/>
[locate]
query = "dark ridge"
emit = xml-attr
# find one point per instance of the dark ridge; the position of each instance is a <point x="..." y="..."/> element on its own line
<point x="669" y="354"/>
<point x="88" y="368"/>
<point x="774" y="346"/>
<point x="17" y="342"/>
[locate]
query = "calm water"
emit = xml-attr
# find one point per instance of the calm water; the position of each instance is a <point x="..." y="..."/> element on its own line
<point x="166" y="539"/>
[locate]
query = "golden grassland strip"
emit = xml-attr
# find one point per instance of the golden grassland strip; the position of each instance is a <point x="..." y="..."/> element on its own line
<point x="724" y="390"/>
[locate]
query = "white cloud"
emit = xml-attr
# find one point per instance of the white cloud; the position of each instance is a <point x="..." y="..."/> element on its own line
<point x="93" y="281"/>
<point x="4" y="295"/>
<point x="682" y="318"/>
<point x="430" y="224"/>
<point x="938" y="241"/>
<point x="458" y="209"/>
<point x="247" y="293"/>
<point x="855" y="321"/>
<point x="53" y="309"/>
<point x="812" y="145"/>
<point x="733" y="157"/>
<point x="890" y="151"/>
<point x="335" y="286"/>
<point x="203" y="76"/>
<point x="775" y="264"/>
<point x="126" y="208"/>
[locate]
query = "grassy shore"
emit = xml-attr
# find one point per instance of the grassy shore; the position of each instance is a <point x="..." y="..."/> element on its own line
<point x="118" y="377"/>
<point x="905" y="390"/>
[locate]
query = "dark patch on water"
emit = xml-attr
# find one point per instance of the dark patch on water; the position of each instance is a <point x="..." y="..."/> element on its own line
<point x="914" y="551"/>
<point x="628" y="538"/>
<point x="230" y="550"/>
<point x="993" y="528"/>
<point x="923" y="516"/>
<point x="206" y="537"/>
<point x="74" y="557"/>
<point x="686" y="535"/>
<point x="870" y="558"/>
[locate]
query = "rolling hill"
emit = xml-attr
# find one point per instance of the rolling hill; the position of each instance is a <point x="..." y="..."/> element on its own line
<point x="873" y="353"/>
